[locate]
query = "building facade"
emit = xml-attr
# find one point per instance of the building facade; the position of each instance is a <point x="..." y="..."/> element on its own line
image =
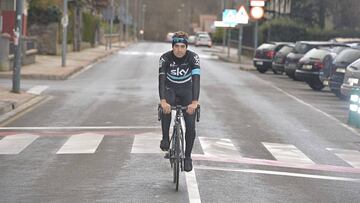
<point x="7" y="16"/>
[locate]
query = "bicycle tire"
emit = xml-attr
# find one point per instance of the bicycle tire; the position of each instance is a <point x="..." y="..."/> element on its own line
<point x="177" y="157"/>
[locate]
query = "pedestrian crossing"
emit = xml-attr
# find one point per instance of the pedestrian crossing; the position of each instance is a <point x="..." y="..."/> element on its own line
<point x="148" y="143"/>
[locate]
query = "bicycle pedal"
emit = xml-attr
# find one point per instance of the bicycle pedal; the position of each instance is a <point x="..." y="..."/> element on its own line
<point x="167" y="155"/>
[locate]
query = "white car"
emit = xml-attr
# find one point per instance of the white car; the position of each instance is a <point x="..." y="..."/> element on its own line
<point x="203" y="40"/>
<point x="169" y="36"/>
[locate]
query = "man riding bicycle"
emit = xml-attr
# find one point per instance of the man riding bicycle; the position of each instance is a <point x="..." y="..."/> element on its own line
<point x="179" y="84"/>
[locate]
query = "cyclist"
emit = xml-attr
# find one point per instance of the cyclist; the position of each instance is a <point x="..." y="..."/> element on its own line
<point x="179" y="83"/>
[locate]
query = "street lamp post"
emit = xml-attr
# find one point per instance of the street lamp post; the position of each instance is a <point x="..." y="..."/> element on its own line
<point x="64" y="22"/>
<point x="17" y="45"/>
<point x="126" y="21"/>
<point x="143" y="21"/>
<point x="111" y="23"/>
<point x="179" y="18"/>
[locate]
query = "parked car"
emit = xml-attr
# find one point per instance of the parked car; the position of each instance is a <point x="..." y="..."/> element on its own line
<point x="301" y="47"/>
<point x="351" y="79"/>
<point x="264" y="54"/>
<point x="203" y="40"/>
<point x="169" y="36"/>
<point x="325" y="72"/>
<point x="345" y="58"/>
<point x="192" y="39"/>
<point x="309" y="66"/>
<point x="279" y="58"/>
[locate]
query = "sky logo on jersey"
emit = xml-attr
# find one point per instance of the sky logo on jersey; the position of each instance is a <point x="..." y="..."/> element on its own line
<point x="179" y="72"/>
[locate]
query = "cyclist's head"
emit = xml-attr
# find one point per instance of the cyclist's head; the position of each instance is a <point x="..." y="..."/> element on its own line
<point x="180" y="43"/>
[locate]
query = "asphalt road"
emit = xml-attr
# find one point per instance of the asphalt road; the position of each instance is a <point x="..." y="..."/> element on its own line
<point x="261" y="138"/>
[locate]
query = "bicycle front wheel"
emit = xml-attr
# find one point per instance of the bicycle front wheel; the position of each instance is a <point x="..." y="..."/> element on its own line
<point x="177" y="159"/>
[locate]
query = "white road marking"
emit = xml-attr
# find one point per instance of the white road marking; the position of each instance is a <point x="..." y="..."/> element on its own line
<point x="351" y="157"/>
<point x="222" y="148"/>
<point x="37" y="89"/>
<point x="81" y="128"/>
<point x="279" y="173"/>
<point x="16" y="143"/>
<point x="287" y="153"/>
<point x="146" y="143"/>
<point x="316" y="109"/>
<point x="192" y="186"/>
<point x="85" y="143"/>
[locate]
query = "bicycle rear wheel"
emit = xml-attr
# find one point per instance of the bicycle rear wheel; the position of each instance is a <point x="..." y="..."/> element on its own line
<point x="177" y="159"/>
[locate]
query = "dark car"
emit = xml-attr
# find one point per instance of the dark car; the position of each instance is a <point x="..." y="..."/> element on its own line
<point x="309" y="66"/>
<point x="301" y="47"/>
<point x="264" y="54"/>
<point x="351" y="79"/>
<point x="280" y="57"/>
<point x="345" y="58"/>
<point x="328" y="64"/>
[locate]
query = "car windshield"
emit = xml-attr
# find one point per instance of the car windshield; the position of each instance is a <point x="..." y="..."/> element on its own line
<point x="204" y="37"/>
<point x="301" y="48"/>
<point x="286" y="49"/>
<point x="316" y="54"/>
<point x="347" y="56"/>
<point x="356" y="64"/>
<point x="267" y="46"/>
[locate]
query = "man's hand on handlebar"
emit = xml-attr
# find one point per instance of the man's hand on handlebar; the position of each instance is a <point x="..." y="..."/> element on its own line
<point x="192" y="107"/>
<point x="165" y="106"/>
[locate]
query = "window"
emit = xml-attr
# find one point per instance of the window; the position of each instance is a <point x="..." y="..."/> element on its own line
<point x="7" y="5"/>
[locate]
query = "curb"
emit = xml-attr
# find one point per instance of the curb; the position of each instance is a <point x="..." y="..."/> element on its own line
<point x="20" y="107"/>
<point x="64" y="76"/>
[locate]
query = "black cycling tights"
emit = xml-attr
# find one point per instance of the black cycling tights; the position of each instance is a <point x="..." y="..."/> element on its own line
<point x="189" y="133"/>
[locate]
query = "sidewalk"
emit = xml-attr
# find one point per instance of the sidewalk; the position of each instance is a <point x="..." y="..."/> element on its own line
<point x="49" y="68"/>
<point x="246" y="63"/>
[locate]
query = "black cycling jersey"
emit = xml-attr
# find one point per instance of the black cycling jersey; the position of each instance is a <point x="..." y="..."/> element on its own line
<point x="179" y="73"/>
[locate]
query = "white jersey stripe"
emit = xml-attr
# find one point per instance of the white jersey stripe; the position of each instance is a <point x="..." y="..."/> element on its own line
<point x="287" y="153"/>
<point x="351" y="157"/>
<point x="178" y="82"/>
<point x="85" y="143"/>
<point x="14" y="144"/>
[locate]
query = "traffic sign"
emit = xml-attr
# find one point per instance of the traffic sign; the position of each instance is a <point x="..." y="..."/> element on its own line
<point x="257" y="3"/>
<point x="222" y="24"/>
<point x="242" y="16"/>
<point x="229" y="16"/>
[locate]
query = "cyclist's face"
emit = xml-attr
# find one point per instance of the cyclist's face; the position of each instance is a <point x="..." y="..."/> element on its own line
<point x="179" y="50"/>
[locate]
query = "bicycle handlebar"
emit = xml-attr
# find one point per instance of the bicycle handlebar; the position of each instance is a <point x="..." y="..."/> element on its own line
<point x="197" y="111"/>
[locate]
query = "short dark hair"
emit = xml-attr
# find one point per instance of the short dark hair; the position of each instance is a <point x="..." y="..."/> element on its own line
<point x="181" y="34"/>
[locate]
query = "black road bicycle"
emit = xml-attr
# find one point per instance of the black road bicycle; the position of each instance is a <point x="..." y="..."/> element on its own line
<point x="176" y="152"/>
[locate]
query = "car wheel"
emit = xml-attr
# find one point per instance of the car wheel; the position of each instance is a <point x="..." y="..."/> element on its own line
<point x="317" y="86"/>
<point x="341" y="96"/>
<point x="277" y="72"/>
<point x="261" y="69"/>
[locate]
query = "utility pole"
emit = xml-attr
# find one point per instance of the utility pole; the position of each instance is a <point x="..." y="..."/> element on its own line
<point x="64" y="22"/>
<point x="224" y="29"/>
<point x="111" y="22"/>
<point x="135" y="21"/>
<point x="143" y="21"/>
<point x="17" y="45"/>
<point x="126" y="21"/>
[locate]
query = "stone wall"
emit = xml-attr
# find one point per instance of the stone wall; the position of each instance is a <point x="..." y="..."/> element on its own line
<point x="47" y="38"/>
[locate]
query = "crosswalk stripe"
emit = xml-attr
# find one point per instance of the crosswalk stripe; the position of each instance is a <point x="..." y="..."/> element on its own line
<point x="85" y="143"/>
<point x="221" y="148"/>
<point x="351" y="157"/>
<point x="287" y="153"/>
<point x="16" y="143"/>
<point x="37" y="89"/>
<point x="146" y="143"/>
